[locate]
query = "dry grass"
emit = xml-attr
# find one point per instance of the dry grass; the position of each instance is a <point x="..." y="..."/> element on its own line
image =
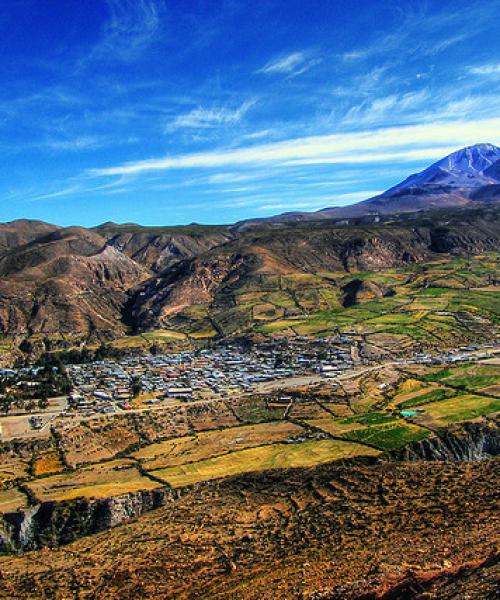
<point x="47" y="463"/>
<point x="276" y="456"/>
<point x="97" y="481"/>
<point x="12" y="500"/>
<point x="210" y="444"/>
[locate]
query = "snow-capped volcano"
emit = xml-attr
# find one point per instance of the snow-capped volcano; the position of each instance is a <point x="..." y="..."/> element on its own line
<point x="469" y="167"/>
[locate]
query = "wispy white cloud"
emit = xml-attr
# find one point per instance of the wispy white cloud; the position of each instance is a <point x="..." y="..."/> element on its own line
<point x="206" y="118"/>
<point x="321" y="202"/>
<point x="132" y="27"/>
<point x="85" y="142"/>
<point x="489" y="69"/>
<point x="407" y="39"/>
<point x="257" y="135"/>
<point x="294" y="64"/>
<point x="370" y="112"/>
<point x="406" y="143"/>
<point x="423" y="106"/>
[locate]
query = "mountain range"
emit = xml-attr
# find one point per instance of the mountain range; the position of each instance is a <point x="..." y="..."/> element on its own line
<point x="106" y="281"/>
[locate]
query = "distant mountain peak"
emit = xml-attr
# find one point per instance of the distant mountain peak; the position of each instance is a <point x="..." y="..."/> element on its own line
<point x="475" y="158"/>
<point x="465" y="168"/>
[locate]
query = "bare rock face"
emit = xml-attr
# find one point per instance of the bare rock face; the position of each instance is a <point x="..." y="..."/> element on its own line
<point x="157" y="248"/>
<point x="472" y="442"/>
<point x="55" y="523"/>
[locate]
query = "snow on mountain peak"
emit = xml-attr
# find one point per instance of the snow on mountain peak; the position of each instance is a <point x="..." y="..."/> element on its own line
<point x="464" y="168"/>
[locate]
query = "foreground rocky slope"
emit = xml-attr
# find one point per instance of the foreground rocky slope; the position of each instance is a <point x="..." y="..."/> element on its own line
<point x="57" y="522"/>
<point x="284" y="534"/>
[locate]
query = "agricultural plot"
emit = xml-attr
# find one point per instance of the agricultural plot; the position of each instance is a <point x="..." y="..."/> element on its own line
<point x="49" y="462"/>
<point x="427" y="306"/>
<point x="471" y="377"/>
<point x="210" y="444"/>
<point x="276" y="456"/>
<point x="459" y="408"/>
<point x="379" y="429"/>
<point x="388" y="436"/>
<point x="12" y="500"/>
<point x="97" y="481"/>
<point x="12" y="467"/>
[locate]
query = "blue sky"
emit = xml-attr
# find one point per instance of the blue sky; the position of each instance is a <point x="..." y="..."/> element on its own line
<point x="212" y="111"/>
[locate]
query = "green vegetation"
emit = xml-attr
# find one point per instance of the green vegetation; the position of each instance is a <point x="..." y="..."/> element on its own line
<point x="432" y="396"/>
<point x="470" y="377"/>
<point x="443" y="303"/>
<point x="461" y="408"/>
<point x="389" y="437"/>
<point x="369" y="418"/>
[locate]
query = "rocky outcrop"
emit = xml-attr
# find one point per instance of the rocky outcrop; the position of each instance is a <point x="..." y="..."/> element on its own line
<point x="56" y="523"/>
<point x="157" y="248"/>
<point x="472" y="442"/>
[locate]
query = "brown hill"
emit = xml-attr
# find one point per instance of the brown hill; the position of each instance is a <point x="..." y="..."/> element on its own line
<point x="159" y="247"/>
<point x="68" y="281"/>
<point x="17" y="233"/>
<point x="206" y="280"/>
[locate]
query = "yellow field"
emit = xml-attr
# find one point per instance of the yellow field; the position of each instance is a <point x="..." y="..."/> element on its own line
<point x="335" y="426"/>
<point x="210" y="444"/>
<point x="97" y="481"/>
<point x="404" y="397"/>
<point x="276" y="456"/>
<point x="11" y="500"/>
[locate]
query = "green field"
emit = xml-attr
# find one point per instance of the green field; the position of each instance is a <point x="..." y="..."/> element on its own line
<point x="390" y="436"/>
<point x="461" y="408"/>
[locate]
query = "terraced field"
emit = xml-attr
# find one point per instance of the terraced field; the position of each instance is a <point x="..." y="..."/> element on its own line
<point x="210" y="444"/>
<point x="263" y="458"/>
<point x="97" y="481"/>
<point x="425" y="305"/>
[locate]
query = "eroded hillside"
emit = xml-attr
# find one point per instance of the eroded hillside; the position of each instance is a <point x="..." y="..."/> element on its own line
<point x="61" y="287"/>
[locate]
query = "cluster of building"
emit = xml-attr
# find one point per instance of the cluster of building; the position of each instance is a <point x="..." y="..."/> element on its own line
<point x="108" y="386"/>
<point x="462" y="354"/>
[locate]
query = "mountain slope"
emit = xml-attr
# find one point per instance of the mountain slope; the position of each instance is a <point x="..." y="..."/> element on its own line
<point x="22" y="231"/>
<point x="469" y="167"/>
<point x="68" y="281"/>
<point x="291" y="271"/>
<point x="159" y="247"/>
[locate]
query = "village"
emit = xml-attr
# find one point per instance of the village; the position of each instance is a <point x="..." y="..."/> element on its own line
<point x="142" y="382"/>
<point x="110" y="386"/>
